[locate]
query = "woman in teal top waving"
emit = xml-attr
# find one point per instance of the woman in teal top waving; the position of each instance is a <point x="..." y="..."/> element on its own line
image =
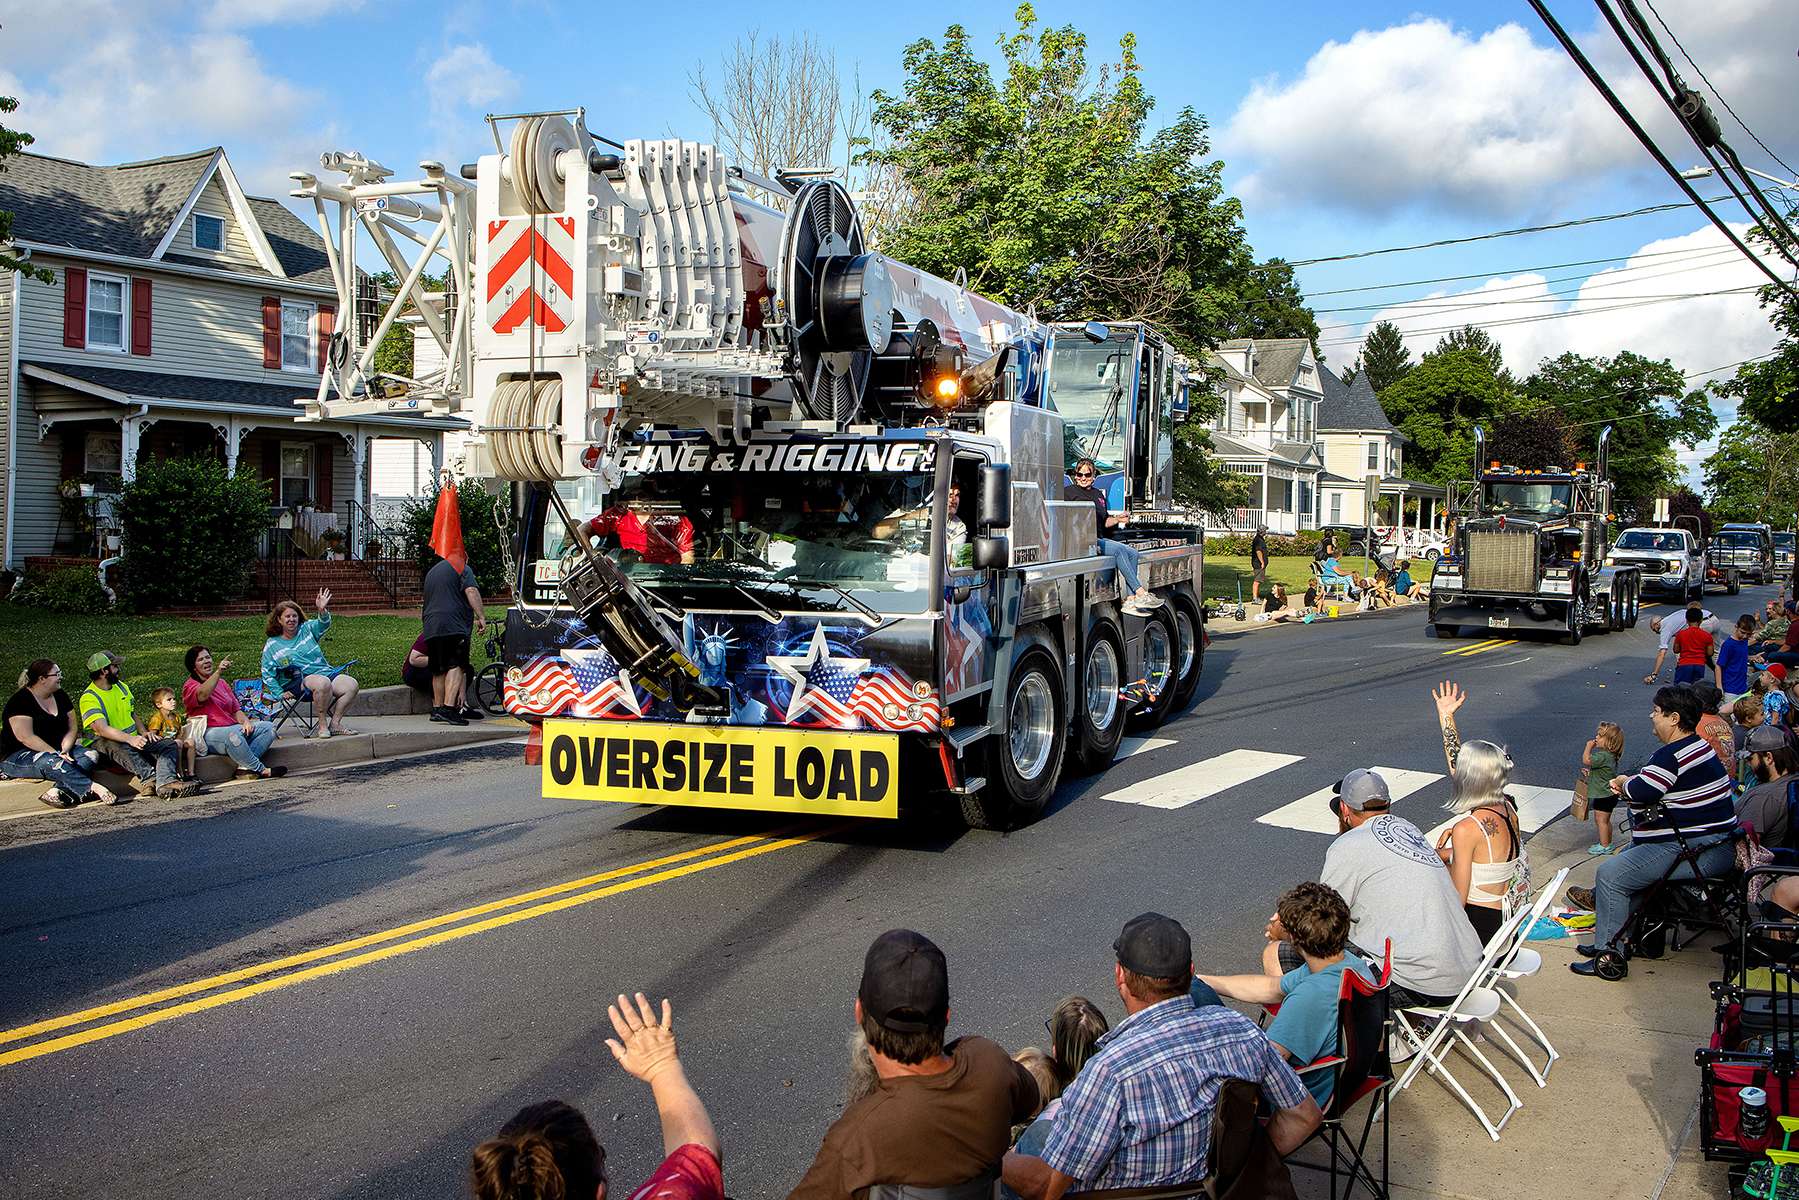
<point x="292" y="660"/>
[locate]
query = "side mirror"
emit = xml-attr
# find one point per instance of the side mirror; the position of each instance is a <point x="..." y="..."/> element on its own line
<point x="1096" y="331"/>
<point x="992" y="553"/>
<point x="995" y="511"/>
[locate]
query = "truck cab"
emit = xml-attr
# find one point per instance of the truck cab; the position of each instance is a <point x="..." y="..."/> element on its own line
<point x="1745" y="548"/>
<point x="1672" y="561"/>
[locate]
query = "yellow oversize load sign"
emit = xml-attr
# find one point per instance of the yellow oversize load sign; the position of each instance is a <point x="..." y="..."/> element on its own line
<point x="720" y="766"/>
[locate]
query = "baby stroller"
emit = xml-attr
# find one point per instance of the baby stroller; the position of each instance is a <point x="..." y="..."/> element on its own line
<point x="1682" y="897"/>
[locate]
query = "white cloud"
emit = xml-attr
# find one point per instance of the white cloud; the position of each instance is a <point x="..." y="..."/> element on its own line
<point x="242" y="14"/>
<point x="1424" y="115"/>
<point x="461" y="82"/>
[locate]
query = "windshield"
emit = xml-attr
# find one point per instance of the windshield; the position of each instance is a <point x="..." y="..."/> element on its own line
<point x="1785" y="540"/>
<point x="1652" y="539"/>
<point x="1740" y="537"/>
<point x="787" y="541"/>
<point x="1530" y="499"/>
<point x="1089" y="385"/>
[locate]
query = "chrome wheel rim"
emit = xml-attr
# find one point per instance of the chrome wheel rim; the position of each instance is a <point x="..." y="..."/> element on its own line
<point x="1102" y="685"/>
<point x="1189" y="643"/>
<point x="1032" y="726"/>
<point x="1158" y="655"/>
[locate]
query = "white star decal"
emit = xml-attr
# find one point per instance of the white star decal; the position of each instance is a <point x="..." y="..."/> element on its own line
<point x="796" y="668"/>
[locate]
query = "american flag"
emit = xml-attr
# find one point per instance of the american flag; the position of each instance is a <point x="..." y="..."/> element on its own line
<point x="829" y="693"/>
<point x="883" y="686"/>
<point x="544" y="688"/>
<point x="603" y="686"/>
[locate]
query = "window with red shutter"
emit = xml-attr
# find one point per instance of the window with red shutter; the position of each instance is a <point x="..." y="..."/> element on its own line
<point x="271" y="333"/>
<point x="74" y="308"/>
<point x="327" y="322"/>
<point x="140" y="316"/>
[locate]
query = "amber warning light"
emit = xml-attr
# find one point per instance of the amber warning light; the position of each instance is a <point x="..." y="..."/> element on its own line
<point x="946" y="391"/>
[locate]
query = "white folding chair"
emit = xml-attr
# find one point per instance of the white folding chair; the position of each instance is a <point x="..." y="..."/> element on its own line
<point x="1521" y="962"/>
<point x="1431" y="1032"/>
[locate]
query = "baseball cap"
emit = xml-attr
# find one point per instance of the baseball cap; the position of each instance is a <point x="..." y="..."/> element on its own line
<point x="1764" y="738"/>
<point x="1363" y="791"/>
<point x="1778" y="670"/>
<point x="1154" y="945"/>
<point x="99" y="660"/>
<point x="905" y="982"/>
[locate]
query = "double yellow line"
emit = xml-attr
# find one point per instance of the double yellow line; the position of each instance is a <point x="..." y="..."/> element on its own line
<point x="1481" y="647"/>
<point x="215" y="991"/>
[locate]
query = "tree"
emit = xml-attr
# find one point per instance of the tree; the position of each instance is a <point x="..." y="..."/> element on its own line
<point x="1473" y="337"/>
<point x="1754" y="474"/>
<point x="1384" y="357"/>
<point x="1767" y="392"/>
<point x="1437" y="404"/>
<point x="190" y="532"/>
<point x="1269" y="304"/>
<point x="11" y="142"/>
<point x="1532" y="438"/>
<point x="1348" y="374"/>
<point x="1648" y="408"/>
<point x="1683" y="501"/>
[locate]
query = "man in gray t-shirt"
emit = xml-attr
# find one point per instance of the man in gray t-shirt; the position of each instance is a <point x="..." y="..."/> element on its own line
<point x="453" y="608"/>
<point x="1397" y="887"/>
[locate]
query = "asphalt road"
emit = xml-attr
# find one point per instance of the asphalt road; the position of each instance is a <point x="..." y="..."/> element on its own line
<point x="289" y="997"/>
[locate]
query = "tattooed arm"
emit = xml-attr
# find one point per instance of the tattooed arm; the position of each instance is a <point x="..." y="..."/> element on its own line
<point x="1449" y="697"/>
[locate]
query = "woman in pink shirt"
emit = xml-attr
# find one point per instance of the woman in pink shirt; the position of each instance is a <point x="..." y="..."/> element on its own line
<point x="209" y="694"/>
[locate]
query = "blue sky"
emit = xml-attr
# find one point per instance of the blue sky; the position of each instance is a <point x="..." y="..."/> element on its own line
<point x="1343" y="127"/>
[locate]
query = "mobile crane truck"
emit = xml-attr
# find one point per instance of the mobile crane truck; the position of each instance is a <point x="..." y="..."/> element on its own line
<point x="789" y="522"/>
<point x="1531" y="551"/>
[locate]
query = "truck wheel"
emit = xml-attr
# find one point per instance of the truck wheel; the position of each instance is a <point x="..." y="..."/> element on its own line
<point x="1577" y="621"/>
<point x="1161" y="663"/>
<point x="1733" y="583"/>
<point x="1025" y="758"/>
<point x="1190" y="650"/>
<point x="1633" y="604"/>
<point x="1098" y="709"/>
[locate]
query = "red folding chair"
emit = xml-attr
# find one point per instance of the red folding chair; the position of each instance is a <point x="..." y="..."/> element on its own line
<point x="1362" y="1069"/>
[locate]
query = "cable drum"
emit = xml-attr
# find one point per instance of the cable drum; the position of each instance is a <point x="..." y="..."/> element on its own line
<point x="525" y="439"/>
<point x="536" y="144"/>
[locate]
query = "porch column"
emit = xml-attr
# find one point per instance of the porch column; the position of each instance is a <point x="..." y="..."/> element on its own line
<point x="131" y="436"/>
<point x="359" y="476"/>
<point x="436" y="446"/>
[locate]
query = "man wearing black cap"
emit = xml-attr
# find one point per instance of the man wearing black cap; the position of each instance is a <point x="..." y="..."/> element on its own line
<point x="939" y="1115"/>
<point x="1140" y="1112"/>
<point x="1766" y="806"/>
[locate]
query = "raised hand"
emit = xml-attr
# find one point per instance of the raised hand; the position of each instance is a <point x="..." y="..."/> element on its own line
<point x="645" y="1047"/>
<point x="1449" y="697"/>
<point x="323" y="600"/>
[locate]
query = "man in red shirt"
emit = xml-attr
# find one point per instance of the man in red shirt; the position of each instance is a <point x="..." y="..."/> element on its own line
<point x="655" y="537"/>
<point x="1693" y="649"/>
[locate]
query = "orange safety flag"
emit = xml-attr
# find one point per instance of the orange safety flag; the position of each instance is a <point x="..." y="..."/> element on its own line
<point x="446" y="529"/>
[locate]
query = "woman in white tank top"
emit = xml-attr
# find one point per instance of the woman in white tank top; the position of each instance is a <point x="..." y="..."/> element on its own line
<point x="1481" y="849"/>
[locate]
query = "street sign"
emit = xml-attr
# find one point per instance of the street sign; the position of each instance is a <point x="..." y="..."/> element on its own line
<point x="1371" y="494"/>
<point x="1661" y="510"/>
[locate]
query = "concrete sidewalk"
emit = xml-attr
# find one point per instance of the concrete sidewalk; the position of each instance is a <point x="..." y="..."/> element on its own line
<point x="1619" y="1115"/>
<point x="389" y="722"/>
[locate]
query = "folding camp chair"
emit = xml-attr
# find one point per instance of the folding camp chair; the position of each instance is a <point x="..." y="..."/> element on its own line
<point x="292" y="703"/>
<point x="1521" y="962"/>
<point x="1431" y="1031"/>
<point x="1362" y="1069"/>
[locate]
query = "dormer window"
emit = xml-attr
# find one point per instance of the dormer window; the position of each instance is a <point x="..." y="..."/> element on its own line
<point x="209" y="232"/>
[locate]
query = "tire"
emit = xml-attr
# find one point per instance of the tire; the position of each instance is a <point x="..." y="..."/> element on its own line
<point x="1356" y="549"/>
<point x="1633" y="603"/>
<point x="488" y="691"/>
<point x="1024" y="759"/>
<point x="1577" y="623"/>
<point x="1732" y="584"/>
<point x="1433" y="554"/>
<point x="1609" y="965"/>
<point x="1190" y="650"/>
<point x="1161" y="659"/>
<point x="1098" y="716"/>
<point x="1608" y="620"/>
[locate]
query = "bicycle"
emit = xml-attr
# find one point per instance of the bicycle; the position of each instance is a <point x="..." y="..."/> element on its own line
<point x="488" y="689"/>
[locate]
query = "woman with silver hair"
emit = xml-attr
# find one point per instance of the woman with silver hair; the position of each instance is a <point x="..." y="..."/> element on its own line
<point x="1482" y="847"/>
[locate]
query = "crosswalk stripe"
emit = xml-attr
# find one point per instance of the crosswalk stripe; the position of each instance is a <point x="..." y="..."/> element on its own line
<point x="1312" y="814"/>
<point x="1141" y="745"/>
<point x="1208" y="777"/>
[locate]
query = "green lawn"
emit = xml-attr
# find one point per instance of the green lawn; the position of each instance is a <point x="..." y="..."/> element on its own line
<point x="153" y="647"/>
<point x="1225" y="571"/>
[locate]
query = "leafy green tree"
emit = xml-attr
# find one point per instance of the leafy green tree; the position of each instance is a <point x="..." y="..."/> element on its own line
<point x="394" y="355"/>
<point x="480" y="536"/>
<point x="1436" y="405"/>
<point x="1533" y="438"/>
<point x="11" y="142"/>
<point x="190" y="532"/>
<point x="1646" y="404"/>
<point x="1384" y="357"/>
<point x="1767" y="392"/>
<point x="1269" y="304"/>
<point x="1753" y="475"/>
<point x="1473" y="337"/>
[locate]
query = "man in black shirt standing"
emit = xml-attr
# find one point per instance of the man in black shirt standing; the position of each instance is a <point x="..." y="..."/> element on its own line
<point x="1138" y="599"/>
<point x="1258" y="562"/>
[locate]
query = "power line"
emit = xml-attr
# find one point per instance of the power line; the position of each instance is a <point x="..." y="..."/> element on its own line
<point x="1604" y="89"/>
<point x="1700" y="71"/>
<point x="1500" y="233"/>
<point x="1716" y="257"/>
<point x="1555" y="316"/>
<point x="1584" y="262"/>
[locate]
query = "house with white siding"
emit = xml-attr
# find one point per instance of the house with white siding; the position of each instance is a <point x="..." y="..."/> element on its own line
<point x="183" y="317"/>
<point x="1267" y="429"/>
<point x="1357" y="440"/>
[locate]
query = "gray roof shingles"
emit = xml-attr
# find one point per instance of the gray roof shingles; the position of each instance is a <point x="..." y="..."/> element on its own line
<point x="1276" y="359"/>
<point x="1348" y="406"/>
<point x="126" y="210"/>
<point x="162" y="385"/>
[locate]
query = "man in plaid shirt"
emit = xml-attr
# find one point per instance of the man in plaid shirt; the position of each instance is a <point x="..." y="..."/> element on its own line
<point x="1140" y="1112"/>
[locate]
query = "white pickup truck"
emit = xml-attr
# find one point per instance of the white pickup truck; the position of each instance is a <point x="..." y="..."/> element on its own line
<point x="1672" y="561"/>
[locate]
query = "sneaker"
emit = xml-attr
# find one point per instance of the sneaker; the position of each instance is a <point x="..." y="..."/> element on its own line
<point x="1600" y="849"/>
<point x="1135" y="607"/>
<point x="471" y="714"/>
<point x="1581" y="898"/>
<point x="277" y="771"/>
<point x="1148" y="599"/>
<point x="175" y="791"/>
<point x="447" y="716"/>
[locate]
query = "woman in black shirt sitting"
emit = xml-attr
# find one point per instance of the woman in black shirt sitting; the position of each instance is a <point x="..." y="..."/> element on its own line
<point x="37" y="740"/>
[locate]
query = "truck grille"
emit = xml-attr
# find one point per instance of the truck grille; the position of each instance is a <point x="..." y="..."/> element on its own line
<point x="1502" y="562"/>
